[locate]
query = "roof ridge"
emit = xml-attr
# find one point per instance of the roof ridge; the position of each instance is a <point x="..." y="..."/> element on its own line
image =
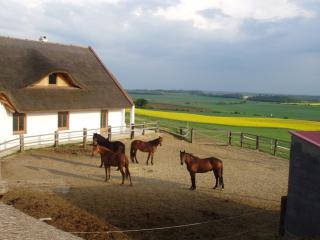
<point x="37" y="41"/>
<point x="115" y="80"/>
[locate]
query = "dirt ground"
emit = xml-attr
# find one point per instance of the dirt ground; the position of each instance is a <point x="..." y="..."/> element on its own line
<point x="248" y="208"/>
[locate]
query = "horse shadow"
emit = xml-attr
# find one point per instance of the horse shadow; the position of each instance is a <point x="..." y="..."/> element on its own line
<point x="159" y="203"/>
<point x="63" y="160"/>
<point x="65" y="174"/>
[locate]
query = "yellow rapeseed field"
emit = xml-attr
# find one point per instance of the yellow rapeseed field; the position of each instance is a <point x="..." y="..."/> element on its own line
<point x="234" y="121"/>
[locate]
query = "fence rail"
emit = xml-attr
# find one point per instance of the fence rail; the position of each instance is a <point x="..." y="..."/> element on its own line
<point x="57" y="138"/>
<point x="272" y="146"/>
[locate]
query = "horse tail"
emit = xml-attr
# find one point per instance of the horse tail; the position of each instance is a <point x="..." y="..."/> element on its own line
<point x="126" y="166"/>
<point x="132" y="152"/>
<point x="221" y="177"/>
<point x="123" y="149"/>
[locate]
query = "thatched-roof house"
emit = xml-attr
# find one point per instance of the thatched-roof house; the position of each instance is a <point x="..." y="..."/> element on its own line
<point x="45" y="87"/>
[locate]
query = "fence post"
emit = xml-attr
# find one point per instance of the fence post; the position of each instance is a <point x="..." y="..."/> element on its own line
<point x="143" y="126"/>
<point x="181" y="132"/>
<point x="56" y="139"/>
<point x="132" y="131"/>
<point x="275" y="147"/>
<point x="241" y="139"/>
<point x="229" y="137"/>
<point x="110" y="133"/>
<point x="84" y="140"/>
<point x="21" y="143"/>
<point x="257" y="142"/>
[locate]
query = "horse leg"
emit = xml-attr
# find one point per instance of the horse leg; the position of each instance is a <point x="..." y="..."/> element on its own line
<point x="109" y="172"/>
<point x="106" y="169"/>
<point x="122" y="173"/>
<point x="216" y="176"/>
<point x="193" y="181"/>
<point x="152" y="158"/>
<point x="128" y="175"/>
<point x="135" y="155"/>
<point x="148" y="158"/>
<point x="101" y="165"/>
<point x="222" y="183"/>
<point x="221" y="180"/>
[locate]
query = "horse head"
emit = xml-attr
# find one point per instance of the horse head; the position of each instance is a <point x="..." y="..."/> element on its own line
<point x="95" y="148"/>
<point x="182" y="156"/>
<point x="160" y="140"/>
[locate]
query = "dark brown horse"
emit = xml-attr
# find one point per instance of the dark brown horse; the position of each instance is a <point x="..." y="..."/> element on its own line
<point x="116" y="146"/>
<point x="202" y="165"/>
<point x="149" y="147"/>
<point x="110" y="158"/>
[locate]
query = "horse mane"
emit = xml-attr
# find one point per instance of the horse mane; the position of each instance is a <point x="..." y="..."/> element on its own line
<point x="191" y="154"/>
<point x="157" y="140"/>
<point x="104" y="148"/>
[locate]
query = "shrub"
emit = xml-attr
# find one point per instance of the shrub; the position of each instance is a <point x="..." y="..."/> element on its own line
<point x="141" y="102"/>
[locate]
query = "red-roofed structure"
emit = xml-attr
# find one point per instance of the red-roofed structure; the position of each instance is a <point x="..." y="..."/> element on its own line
<point x="309" y="136"/>
<point x="302" y="209"/>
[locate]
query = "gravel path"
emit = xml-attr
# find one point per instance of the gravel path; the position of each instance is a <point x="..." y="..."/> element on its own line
<point x="160" y="196"/>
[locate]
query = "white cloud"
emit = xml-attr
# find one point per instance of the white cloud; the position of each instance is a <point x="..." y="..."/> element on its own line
<point x="137" y="12"/>
<point x="40" y="3"/>
<point x="233" y="12"/>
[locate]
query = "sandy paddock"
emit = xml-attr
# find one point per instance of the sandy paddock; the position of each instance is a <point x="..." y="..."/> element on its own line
<point x="248" y="208"/>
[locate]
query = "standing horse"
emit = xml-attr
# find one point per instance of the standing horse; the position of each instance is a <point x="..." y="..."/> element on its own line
<point x="202" y="165"/>
<point x="116" y="146"/>
<point x="149" y="147"/>
<point x="110" y="158"/>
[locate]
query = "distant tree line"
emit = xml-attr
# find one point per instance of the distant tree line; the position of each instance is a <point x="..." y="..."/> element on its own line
<point x="277" y="98"/>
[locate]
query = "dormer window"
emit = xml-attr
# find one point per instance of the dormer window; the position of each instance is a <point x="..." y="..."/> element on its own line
<point x="56" y="80"/>
<point x="53" y="79"/>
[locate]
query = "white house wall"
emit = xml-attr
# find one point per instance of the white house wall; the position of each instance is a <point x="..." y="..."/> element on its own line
<point x="115" y="118"/>
<point x="5" y="124"/>
<point x="46" y="123"/>
<point x="80" y="120"/>
<point x="41" y="123"/>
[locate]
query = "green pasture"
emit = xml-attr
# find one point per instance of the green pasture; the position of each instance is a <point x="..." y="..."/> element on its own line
<point x="185" y="102"/>
<point x="212" y="129"/>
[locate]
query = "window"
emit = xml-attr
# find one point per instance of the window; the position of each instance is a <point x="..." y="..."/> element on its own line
<point x="53" y="78"/>
<point x="19" y="123"/>
<point x="104" y="119"/>
<point x="63" y="120"/>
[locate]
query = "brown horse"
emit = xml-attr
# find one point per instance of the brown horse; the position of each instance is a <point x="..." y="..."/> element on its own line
<point x="202" y="165"/>
<point x="149" y="147"/>
<point x="116" y="146"/>
<point x="110" y="158"/>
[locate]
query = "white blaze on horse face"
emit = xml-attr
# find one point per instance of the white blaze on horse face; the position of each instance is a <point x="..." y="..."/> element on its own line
<point x="181" y="157"/>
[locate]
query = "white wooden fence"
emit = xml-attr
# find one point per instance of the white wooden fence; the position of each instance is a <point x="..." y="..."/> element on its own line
<point x="21" y="142"/>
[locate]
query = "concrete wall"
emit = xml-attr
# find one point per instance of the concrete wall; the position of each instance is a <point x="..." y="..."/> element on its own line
<point x="303" y="202"/>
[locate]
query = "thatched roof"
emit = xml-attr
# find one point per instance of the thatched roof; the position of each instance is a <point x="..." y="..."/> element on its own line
<point x="24" y="62"/>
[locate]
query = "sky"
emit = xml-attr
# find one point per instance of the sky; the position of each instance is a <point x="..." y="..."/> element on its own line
<point x="265" y="46"/>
